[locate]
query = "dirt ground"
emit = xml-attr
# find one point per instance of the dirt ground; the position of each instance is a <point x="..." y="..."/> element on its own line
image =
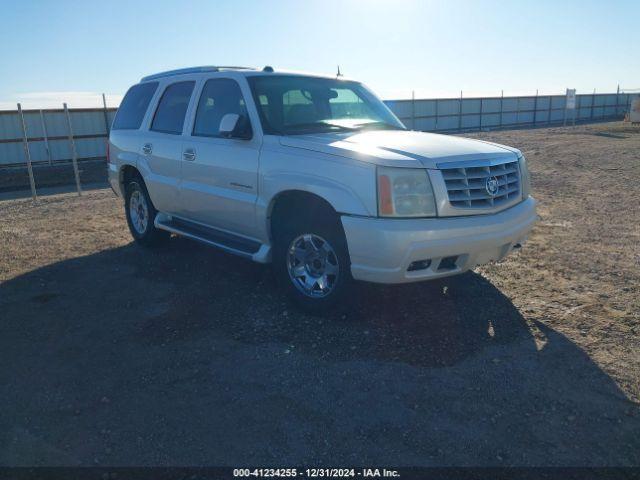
<point x="115" y="355"/>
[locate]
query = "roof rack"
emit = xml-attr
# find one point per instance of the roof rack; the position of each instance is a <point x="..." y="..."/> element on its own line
<point x="182" y="71"/>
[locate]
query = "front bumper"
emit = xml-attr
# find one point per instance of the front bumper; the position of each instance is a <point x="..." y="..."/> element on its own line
<point x="382" y="249"/>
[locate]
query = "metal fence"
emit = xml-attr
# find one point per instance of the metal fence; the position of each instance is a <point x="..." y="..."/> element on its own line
<point x="50" y="140"/>
<point x="47" y="133"/>
<point x="464" y="114"/>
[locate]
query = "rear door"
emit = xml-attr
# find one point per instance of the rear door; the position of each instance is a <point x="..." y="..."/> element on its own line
<point x="220" y="175"/>
<point x="162" y="147"/>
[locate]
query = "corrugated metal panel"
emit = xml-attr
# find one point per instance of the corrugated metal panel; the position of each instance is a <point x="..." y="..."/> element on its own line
<point x="10" y="126"/>
<point x="85" y="122"/>
<point x="11" y="153"/>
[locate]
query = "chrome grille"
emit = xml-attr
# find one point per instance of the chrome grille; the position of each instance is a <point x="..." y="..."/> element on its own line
<point x="467" y="187"/>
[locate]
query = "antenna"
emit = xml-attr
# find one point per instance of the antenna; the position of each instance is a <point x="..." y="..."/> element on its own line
<point x="338" y="75"/>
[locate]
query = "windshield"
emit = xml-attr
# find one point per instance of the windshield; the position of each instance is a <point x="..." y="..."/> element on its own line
<point x="290" y="105"/>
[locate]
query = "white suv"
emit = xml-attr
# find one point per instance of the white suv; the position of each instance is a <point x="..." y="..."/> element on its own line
<point x="315" y="174"/>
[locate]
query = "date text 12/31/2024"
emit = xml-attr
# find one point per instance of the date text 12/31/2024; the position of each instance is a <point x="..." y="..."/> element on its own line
<point x="315" y="472"/>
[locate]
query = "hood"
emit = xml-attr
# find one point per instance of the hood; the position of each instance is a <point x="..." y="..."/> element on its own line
<point x="400" y="148"/>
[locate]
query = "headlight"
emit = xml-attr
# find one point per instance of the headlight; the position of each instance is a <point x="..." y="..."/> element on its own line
<point x="524" y="177"/>
<point x="405" y="192"/>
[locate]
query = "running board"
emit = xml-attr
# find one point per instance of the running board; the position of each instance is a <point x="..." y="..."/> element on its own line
<point x="217" y="238"/>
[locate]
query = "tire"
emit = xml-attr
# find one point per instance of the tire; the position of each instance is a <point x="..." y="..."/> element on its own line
<point x="306" y="251"/>
<point x="141" y="214"/>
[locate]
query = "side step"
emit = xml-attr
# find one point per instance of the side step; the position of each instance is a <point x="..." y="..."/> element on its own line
<point x="211" y="236"/>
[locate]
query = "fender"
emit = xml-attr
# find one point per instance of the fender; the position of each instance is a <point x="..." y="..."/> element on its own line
<point x="340" y="196"/>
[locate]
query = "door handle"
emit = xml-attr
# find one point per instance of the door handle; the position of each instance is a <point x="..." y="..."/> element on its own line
<point x="189" y="154"/>
<point x="147" y="148"/>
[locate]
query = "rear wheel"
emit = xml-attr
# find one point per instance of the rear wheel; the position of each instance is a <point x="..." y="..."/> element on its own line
<point x="311" y="262"/>
<point x="141" y="214"/>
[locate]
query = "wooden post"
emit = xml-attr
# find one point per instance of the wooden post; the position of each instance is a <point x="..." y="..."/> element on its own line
<point x="74" y="154"/>
<point x="413" y="109"/>
<point x="27" y="154"/>
<point x="460" y="113"/>
<point x="501" y="107"/>
<point x="46" y="137"/>
<point x="107" y="127"/>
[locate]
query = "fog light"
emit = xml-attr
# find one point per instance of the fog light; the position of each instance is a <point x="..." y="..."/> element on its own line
<point x="448" y="263"/>
<point x="419" y="265"/>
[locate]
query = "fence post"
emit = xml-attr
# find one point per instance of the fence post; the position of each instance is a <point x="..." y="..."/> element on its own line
<point x="517" y="111"/>
<point x="481" y="113"/>
<point x="413" y="109"/>
<point x="501" y="108"/>
<point x="46" y="137"/>
<point x="106" y="115"/>
<point x="74" y="155"/>
<point x="593" y="99"/>
<point x="27" y="153"/>
<point x="460" y="113"/>
<point x="436" y="127"/>
<point x="535" y="108"/>
<point x="617" y="101"/>
<point x="549" y="110"/>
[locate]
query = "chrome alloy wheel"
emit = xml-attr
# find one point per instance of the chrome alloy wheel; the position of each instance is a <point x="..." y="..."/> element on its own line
<point x="138" y="211"/>
<point x="312" y="265"/>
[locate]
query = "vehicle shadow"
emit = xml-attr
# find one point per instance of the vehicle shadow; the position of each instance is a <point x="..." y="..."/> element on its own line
<point x="188" y="356"/>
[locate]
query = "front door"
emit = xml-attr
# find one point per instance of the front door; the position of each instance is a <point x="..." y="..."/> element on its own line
<point x="220" y="175"/>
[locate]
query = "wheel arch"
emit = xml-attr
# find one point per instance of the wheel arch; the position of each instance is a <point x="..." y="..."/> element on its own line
<point x="296" y="201"/>
<point x="127" y="172"/>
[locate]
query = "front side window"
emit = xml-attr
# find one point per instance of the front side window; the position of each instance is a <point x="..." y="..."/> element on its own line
<point x="133" y="107"/>
<point x="290" y="105"/>
<point x="219" y="97"/>
<point x="172" y="108"/>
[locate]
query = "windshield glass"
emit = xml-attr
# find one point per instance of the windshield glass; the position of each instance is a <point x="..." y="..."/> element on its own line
<point x="290" y="105"/>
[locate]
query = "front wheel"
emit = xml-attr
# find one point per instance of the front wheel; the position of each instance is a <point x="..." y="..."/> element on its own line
<point x="312" y="264"/>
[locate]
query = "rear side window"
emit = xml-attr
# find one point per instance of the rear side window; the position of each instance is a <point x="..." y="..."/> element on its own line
<point x="134" y="106"/>
<point x="172" y="108"/>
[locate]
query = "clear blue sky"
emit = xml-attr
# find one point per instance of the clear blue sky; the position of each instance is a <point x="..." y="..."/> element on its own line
<point x="65" y="49"/>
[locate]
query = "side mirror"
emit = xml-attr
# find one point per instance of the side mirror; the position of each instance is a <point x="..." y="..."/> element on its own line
<point x="229" y="124"/>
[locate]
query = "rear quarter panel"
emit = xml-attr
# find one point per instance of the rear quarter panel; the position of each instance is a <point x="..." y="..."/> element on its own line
<point x="123" y="150"/>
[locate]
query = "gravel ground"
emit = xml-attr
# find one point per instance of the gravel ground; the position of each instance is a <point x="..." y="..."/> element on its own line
<point x="114" y="355"/>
